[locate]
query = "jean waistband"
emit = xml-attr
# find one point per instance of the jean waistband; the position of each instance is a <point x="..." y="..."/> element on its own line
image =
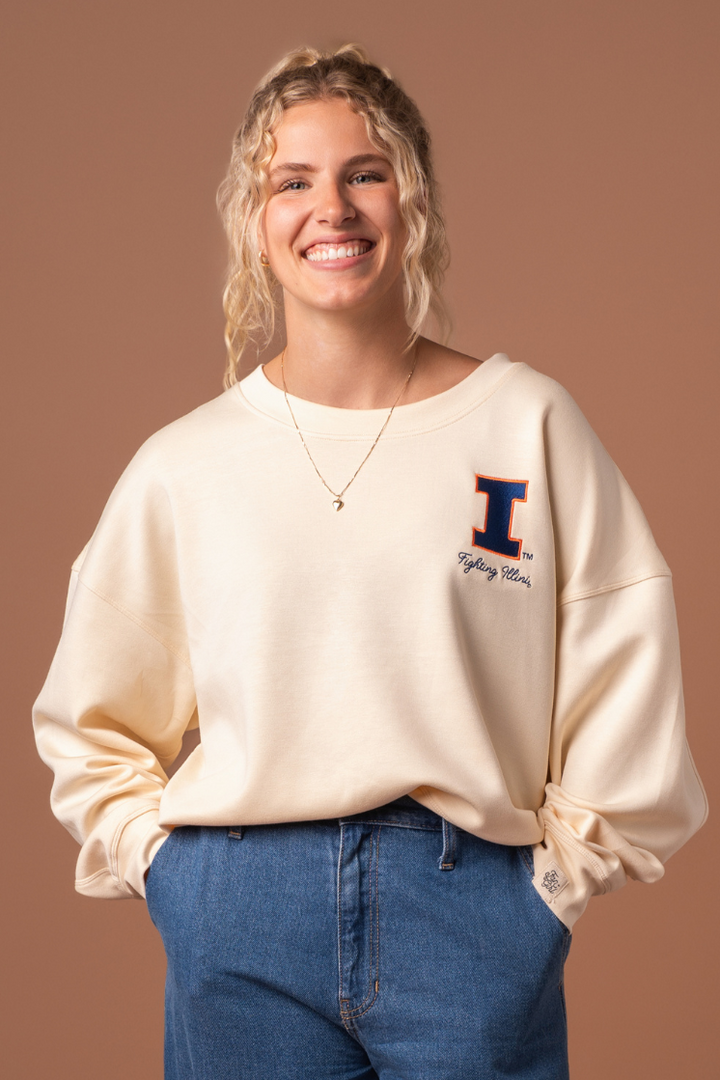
<point x="405" y="812"/>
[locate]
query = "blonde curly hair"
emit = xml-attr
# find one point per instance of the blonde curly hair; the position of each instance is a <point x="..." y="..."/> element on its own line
<point x="394" y="126"/>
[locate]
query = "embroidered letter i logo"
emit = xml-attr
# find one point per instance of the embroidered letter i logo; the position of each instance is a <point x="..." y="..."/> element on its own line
<point x="501" y="498"/>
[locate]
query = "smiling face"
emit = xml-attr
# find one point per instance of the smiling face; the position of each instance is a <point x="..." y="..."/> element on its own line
<point x="332" y="227"/>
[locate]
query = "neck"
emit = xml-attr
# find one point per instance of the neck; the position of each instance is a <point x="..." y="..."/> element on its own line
<point x="351" y="360"/>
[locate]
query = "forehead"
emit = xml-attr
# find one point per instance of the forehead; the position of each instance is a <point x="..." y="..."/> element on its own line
<point x="328" y="124"/>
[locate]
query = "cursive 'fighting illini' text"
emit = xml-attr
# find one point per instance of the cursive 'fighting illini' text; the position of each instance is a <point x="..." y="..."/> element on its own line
<point x="469" y="561"/>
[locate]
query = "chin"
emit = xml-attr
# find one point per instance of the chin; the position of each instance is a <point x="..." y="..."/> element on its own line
<point x="339" y="302"/>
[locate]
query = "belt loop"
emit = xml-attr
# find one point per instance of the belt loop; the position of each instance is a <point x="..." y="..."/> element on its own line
<point x="447" y="859"/>
<point x="235" y="832"/>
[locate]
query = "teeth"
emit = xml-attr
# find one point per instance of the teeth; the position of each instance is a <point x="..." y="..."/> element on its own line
<point x="345" y="251"/>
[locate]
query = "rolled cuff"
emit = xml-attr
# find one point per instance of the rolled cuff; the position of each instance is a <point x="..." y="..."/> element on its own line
<point x="115" y="857"/>
<point x="568" y="871"/>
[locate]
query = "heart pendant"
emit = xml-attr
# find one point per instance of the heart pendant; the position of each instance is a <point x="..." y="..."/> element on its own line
<point x="338" y="504"/>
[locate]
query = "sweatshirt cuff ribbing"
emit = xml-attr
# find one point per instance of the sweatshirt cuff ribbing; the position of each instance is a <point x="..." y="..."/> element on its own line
<point x="132" y="846"/>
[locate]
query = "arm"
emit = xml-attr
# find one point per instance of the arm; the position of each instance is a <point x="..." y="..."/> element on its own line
<point x="622" y="793"/>
<point x="119" y="694"/>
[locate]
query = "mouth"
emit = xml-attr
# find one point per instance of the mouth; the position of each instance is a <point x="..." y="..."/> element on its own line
<point x="346" y="251"/>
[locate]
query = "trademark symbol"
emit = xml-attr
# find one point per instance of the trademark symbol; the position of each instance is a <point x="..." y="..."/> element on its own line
<point x="527" y="554"/>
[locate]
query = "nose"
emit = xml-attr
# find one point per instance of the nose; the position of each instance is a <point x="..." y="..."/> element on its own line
<point x="334" y="205"/>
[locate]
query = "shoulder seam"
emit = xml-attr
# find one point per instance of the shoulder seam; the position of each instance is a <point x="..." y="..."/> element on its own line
<point x="614" y="587"/>
<point x="138" y="622"/>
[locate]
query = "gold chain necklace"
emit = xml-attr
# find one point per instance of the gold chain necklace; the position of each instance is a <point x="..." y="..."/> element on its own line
<point x="338" y="502"/>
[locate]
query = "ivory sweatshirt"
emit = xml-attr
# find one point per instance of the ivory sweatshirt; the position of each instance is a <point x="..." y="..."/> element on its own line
<point x="487" y="624"/>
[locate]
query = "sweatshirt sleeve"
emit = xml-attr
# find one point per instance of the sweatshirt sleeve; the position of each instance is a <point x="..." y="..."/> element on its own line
<point x="119" y="694"/>
<point x="623" y="793"/>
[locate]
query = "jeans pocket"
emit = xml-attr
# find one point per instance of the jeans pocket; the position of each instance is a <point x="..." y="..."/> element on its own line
<point x="154" y="874"/>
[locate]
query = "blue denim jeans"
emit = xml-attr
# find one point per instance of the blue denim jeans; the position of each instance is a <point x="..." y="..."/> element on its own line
<point x="388" y="944"/>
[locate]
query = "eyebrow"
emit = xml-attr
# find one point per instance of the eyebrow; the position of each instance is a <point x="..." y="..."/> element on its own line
<point x="358" y="159"/>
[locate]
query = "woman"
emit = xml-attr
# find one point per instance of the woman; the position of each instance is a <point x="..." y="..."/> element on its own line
<point x="420" y="621"/>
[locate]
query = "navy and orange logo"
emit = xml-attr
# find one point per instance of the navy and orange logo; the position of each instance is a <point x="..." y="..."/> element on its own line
<point x="496" y="533"/>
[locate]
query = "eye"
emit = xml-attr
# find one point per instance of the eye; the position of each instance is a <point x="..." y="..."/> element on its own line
<point x="359" y="179"/>
<point x="363" y="176"/>
<point x="289" y="185"/>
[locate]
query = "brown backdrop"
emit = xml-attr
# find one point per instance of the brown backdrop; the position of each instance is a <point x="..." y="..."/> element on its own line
<point x="576" y="141"/>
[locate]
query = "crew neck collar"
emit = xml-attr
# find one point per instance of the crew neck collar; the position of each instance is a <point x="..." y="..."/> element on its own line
<point x="261" y="396"/>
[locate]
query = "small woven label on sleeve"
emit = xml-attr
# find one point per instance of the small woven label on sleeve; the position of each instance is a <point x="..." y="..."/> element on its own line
<point x="553" y="881"/>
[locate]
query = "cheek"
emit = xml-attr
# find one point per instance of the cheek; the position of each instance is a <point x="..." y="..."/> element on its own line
<point x="281" y="223"/>
<point x="394" y="226"/>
